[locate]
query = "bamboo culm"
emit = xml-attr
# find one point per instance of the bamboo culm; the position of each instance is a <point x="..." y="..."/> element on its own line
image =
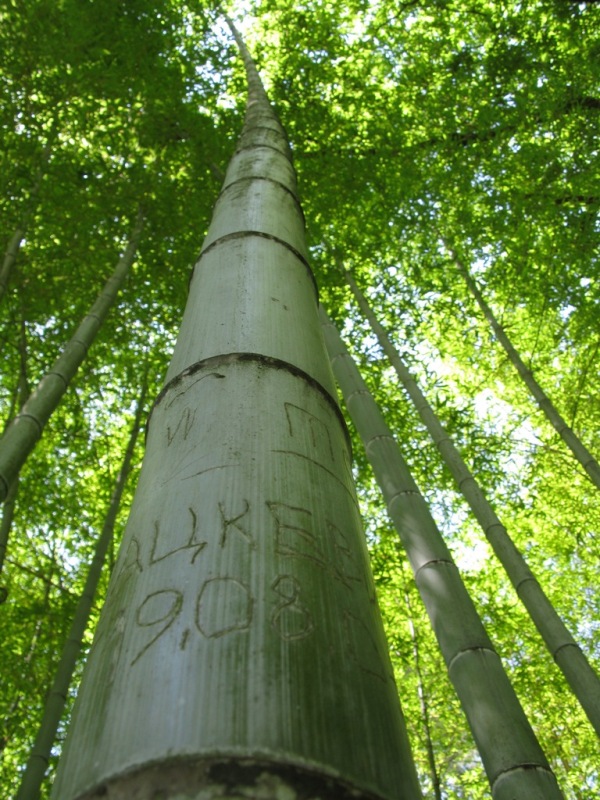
<point x="513" y="759"/>
<point x="14" y="244"/>
<point x="566" y="433"/>
<point x="39" y="758"/>
<point x="8" y="509"/>
<point x="23" y="432"/>
<point x="423" y="702"/>
<point x="567" y="654"/>
<point x="240" y="651"/>
<point x="10" y="257"/>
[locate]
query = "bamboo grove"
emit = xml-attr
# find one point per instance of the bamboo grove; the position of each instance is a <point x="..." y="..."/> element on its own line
<point x="446" y="157"/>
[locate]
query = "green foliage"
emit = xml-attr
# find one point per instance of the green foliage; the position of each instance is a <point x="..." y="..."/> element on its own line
<point x="475" y="122"/>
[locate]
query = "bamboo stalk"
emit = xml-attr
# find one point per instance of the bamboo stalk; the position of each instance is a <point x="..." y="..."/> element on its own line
<point x="8" y="509"/>
<point x="567" y="654"/>
<point x="573" y="442"/>
<point x="423" y="701"/>
<point x="14" y="243"/>
<point x="240" y="650"/>
<point x="513" y="759"/>
<point x="37" y="763"/>
<point x="10" y="257"/>
<point x="23" y="432"/>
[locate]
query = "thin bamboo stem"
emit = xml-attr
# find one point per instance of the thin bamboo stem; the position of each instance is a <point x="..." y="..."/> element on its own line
<point x="423" y="701"/>
<point x="37" y="763"/>
<point x="8" y="509"/>
<point x="10" y="257"/>
<point x="567" y="654"/>
<point x="26" y="428"/>
<point x="500" y="728"/>
<point x="566" y="433"/>
<point x="14" y="244"/>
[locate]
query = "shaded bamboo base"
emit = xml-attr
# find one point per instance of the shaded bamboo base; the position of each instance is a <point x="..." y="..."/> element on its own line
<point x="225" y="779"/>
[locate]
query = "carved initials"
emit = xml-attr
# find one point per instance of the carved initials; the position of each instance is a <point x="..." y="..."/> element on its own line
<point x="191" y="544"/>
<point x="234" y="522"/>
<point x="185" y="424"/>
<point x="293" y="534"/>
<point x="132" y="557"/>
<point x="346" y="567"/>
<point x="368" y="658"/>
<point x="303" y="425"/>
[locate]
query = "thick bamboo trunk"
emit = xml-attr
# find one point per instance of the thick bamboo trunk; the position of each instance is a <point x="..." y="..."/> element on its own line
<point x="575" y="445"/>
<point x="514" y="762"/>
<point x="240" y="652"/>
<point x="37" y="764"/>
<point x="23" y="432"/>
<point x="577" y="670"/>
